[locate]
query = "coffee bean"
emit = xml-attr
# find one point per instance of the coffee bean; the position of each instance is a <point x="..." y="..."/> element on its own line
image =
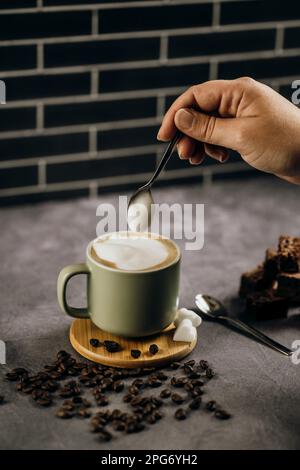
<point x="195" y="403"/>
<point x="139" y="383"/>
<point x="154" y="382"/>
<point x="165" y="393"/>
<point x="11" y="376"/>
<point x="197" y="391"/>
<point x="209" y="373"/>
<point x="153" y="349"/>
<point x="1" y="399"/>
<point x="105" y="435"/>
<point x="83" y="413"/>
<point x="128" y="397"/>
<point x="112" y="346"/>
<point x="133" y="390"/>
<point x="135" y="353"/>
<point x="95" y="342"/>
<point x="180" y="414"/>
<point x="162" y="376"/>
<point x="203" y="365"/>
<point x="175" y="365"/>
<point x="118" y="386"/>
<point x="151" y="419"/>
<point x="189" y="387"/>
<point x="197" y="382"/>
<point x="222" y="414"/>
<point x="62" y="355"/>
<point x="134" y="427"/>
<point x="179" y="381"/>
<point x="64" y="414"/>
<point x="190" y="363"/>
<point x="44" y="401"/>
<point x="118" y="425"/>
<point x="211" y="405"/>
<point x="176" y="398"/>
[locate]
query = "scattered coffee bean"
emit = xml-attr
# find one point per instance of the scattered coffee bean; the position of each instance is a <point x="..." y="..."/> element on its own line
<point x="203" y="365"/>
<point x="83" y="413"/>
<point x="175" y="365"/>
<point x="128" y="397"/>
<point x="209" y="373"/>
<point x="1" y="399"/>
<point x="211" y="405"/>
<point x="133" y="390"/>
<point x="153" y="349"/>
<point x="112" y="346"/>
<point x="95" y="342"/>
<point x="179" y="381"/>
<point x="135" y="353"/>
<point x="139" y="383"/>
<point x="105" y="435"/>
<point x="118" y="386"/>
<point x="190" y="363"/>
<point x="180" y="414"/>
<point x="64" y="414"/>
<point x="165" y="393"/>
<point x="176" y="398"/>
<point x="195" y="403"/>
<point x="222" y="414"/>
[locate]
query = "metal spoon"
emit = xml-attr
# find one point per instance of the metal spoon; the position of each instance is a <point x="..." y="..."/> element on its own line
<point x="165" y="158"/>
<point x="212" y="308"/>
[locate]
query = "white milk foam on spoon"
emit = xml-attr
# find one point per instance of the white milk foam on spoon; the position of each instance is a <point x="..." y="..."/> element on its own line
<point x="134" y="254"/>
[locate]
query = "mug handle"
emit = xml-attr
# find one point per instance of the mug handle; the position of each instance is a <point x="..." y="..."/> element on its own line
<point x="62" y="281"/>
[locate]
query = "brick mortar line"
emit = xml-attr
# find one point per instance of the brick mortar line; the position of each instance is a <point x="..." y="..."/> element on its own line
<point x="124" y="124"/>
<point x="107" y="6"/>
<point x="156" y="63"/>
<point x="85" y="156"/>
<point x="154" y="33"/>
<point x="123" y="179"/>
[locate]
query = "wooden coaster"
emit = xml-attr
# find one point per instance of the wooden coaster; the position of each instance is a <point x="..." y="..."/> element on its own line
<point x="82" y="331"/>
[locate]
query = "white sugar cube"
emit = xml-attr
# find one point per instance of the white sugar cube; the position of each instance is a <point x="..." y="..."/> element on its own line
<point x="185" y="331"/>
<point x="184" y="313"/>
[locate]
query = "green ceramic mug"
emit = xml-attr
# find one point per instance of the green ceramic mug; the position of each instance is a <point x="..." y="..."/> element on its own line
<point x="125" y="303"/>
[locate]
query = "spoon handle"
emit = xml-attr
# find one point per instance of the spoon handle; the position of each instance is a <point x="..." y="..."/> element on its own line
<point x="257" y="335"/>
<point x="165" y="158"/>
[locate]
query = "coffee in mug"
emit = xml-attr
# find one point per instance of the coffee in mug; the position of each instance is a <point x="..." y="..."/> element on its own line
<point x="132" y="283"/>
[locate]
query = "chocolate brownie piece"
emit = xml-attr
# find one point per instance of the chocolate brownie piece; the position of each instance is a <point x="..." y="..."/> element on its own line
<point x="270" y="265"/>
<point x="289" y="254"/>
<point x="289" y="285"/>
<point x="253" y="281"/>
<point x="267" y="305"/>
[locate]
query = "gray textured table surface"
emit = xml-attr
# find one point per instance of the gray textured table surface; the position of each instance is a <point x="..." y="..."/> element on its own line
<point x="260" y="387"/>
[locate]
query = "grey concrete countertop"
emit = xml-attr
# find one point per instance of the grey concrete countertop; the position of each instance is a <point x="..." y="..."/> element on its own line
<point x="260" y="387"/>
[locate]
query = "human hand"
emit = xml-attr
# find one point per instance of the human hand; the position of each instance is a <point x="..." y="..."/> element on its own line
<point x="243" y="115"/>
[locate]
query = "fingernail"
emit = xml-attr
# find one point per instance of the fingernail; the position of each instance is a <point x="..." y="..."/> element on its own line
<point x="193" y="161"/>
<point x="184" y="119"/>
<point x="223" y="157"/>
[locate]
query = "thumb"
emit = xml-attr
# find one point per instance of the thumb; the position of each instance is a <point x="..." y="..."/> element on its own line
<point x="207" y="128"/>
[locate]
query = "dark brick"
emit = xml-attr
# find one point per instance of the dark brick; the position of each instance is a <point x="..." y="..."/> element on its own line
<point x="221" y="43"/>
<point x="41" y="25"/>
<point x="100" y="52"/>
<point x="45" y="86"/>
<point x="261" y="68"/>
<point x="40" y="146"/>
<point x="103" y="111"/>
<point x="121" y="138"/>
<point x="154" y="77"/>
<point x="161" y="17"/>
<point x="15" y="177"/>
<point x="262" y="10"/>
<point x="17" y="57"/>
<point x="292" y="38"/>
<point x="17" y="118"/>
<point x="11" y="4"/>
<point x="43" y="196"/>
<point x="100" y="168"/>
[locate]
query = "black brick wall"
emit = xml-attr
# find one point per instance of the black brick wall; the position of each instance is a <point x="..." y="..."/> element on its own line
<point x="88" y="82"/>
